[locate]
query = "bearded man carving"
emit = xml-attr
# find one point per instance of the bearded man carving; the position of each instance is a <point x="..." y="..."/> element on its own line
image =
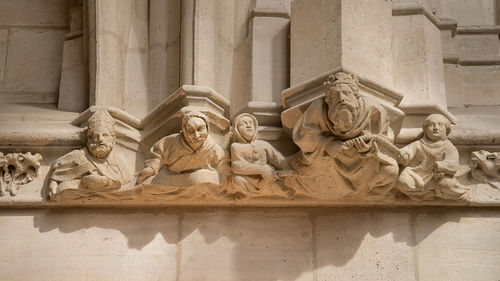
<point x="329" y="167"/>
<point x="96" y="167"/>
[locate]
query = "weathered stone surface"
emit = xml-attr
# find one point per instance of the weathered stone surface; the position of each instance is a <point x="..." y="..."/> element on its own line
<point x="94" y="245"/>
<point x="364" y="245"/>
<point x="4" y="35"/>
<point x="73" y="88"/>
<point x="34" y="67"/>
<point x="458" y="245"/>
<point x="52" y="13"/>
<point x="246" y="246"/>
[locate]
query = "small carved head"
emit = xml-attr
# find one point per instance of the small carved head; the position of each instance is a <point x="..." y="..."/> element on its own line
<point x="195" y="129"/>
<point x="245" y="127"/>
<point x="100" y="134"/>
<point x="436" y="127"/>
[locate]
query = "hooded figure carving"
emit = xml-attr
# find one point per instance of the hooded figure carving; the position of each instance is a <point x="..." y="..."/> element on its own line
<point x="253" y="162"/>
<point x="187" y="152"/>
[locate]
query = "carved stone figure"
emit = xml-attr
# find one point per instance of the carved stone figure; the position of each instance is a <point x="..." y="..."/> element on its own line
<point x="486" y="167"/>
<point x="339" y="139"/>
<point x="97" y="167"/>
<point x="431" y="163"/>
<point x="192" y="153"/>
<point x="254" y="163"/>
<point x="17" y="169"/>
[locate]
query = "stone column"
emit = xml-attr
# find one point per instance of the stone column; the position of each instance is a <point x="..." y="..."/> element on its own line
<point x="164" y="49"/>
<point x="269" y="27"/>
<point x="207" y="42"/>
<point x="121" y="55"/>
<point x="350" y="34"/>
<point x="418" y="60"/>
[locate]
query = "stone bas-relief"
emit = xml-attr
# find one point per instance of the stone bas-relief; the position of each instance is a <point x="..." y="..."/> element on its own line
<point x="189" y="157"/>
<point x="97" y="167"/>
<point x="430" y="164"/>
<point x="256" y="165"/>
<point x="346" y="154"/>
<point x="485" y="167"/>
<point x="17" y="169"/>
<point x="342" y="145"/>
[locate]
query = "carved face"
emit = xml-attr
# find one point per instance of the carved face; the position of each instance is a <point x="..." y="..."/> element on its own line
<point x="343" y="107"/>
<point x="100" y="141"/>
<point x="246" y="127"/>
<point x="195" y="132"/>
<point x="435" y="127"/>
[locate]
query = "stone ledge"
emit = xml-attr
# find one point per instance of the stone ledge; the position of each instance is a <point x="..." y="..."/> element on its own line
<point x="419" y="9"/>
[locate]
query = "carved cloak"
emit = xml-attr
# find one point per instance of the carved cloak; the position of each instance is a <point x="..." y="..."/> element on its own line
<point x="349" y="172"/>
<point x="173" y="151"/>
<point x="70" y="168"/>
<point x="249" y="158"/>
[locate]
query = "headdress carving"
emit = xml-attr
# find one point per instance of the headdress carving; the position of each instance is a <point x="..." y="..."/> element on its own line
<point x="101" y="118"/>
<point x="349" y="79"/>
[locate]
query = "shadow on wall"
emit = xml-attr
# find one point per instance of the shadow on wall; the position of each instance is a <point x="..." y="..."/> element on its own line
<point x="264" y="244"/>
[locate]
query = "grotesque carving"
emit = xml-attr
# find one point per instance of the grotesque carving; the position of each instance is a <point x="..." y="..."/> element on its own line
<point x="431" y="163"/>
<point x="17" y="169"/>
<point x="338" y="139"/>
<point x="96" y="167"/>
<point x="190" y="152"/>
<point x="254" y="163"/>
<point x="486" y="167"/>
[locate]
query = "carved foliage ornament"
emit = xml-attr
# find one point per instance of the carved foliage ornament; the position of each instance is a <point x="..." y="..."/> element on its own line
<point x="17" y="169"/>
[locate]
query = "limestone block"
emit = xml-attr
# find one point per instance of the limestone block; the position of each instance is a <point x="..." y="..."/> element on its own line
<point x="34" y="13"/>
<point x="76" y="22"/>
<point x="34" y="60"/>
<point x="466" y="12"/>
<point x="337" y="40"/>
<point x="80" y="245"/>
<point x="4" y="34"/>
<point x="313" y="53"/>
<point x="364" y="245"/>
<point x="273" y="5"/>
<point x="454" y="84"/>
<point x="418" y="60"/>
<point x="269" y="58"/>
<point x="164" y="50"/>
<point x="477" y="45"/>
<point x="73" y="89"/>
<point x="473" y="85"/>
<point x="135" y="82"/>
<point x="458" y="245"/>
<point x="262" y="245"/>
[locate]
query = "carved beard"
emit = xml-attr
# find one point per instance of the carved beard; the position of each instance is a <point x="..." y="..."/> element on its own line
<point x="343" y="116"/>
<point x="100" y="150"/>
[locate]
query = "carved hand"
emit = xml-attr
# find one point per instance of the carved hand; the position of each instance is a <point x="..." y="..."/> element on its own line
<point x="437" y="173"/>
<point x="363" y="143"/>
<point x="52" y="189"/>
<point x="403" y="158"/>
<point x="144" y="174"/>
<point x="94" y="181"/>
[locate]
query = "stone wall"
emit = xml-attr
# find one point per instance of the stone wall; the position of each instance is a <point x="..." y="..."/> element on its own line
<point x="250" y="244"/>
<point x="31" y="43"/>
<point x="149" y="61"/>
